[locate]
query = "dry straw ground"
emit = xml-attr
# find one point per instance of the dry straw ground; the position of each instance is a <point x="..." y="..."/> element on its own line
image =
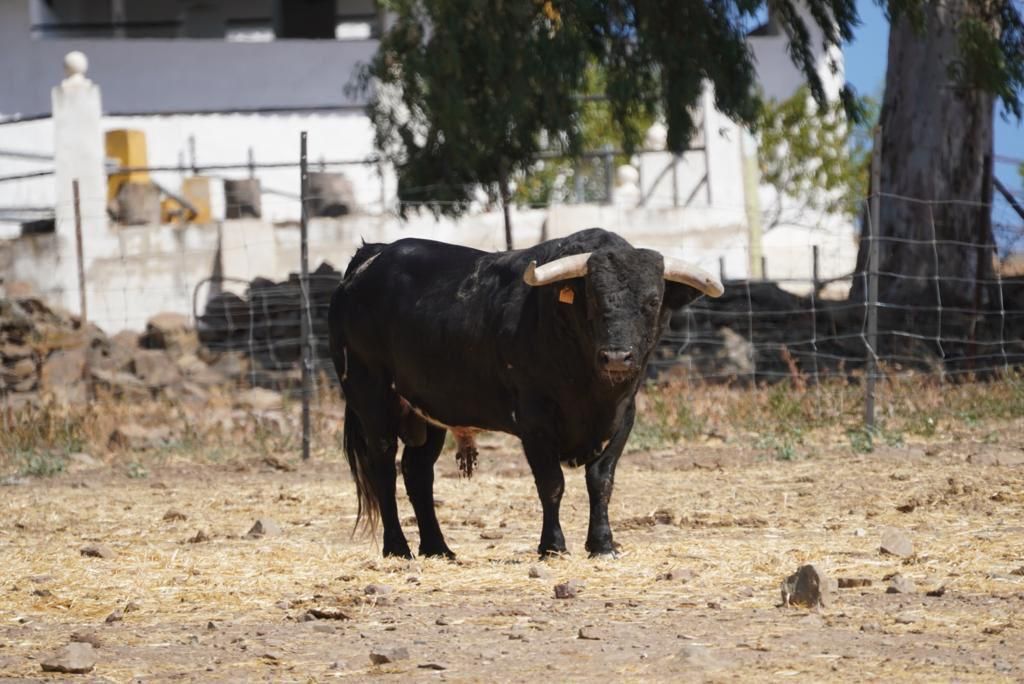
<point x="725" y="491"/>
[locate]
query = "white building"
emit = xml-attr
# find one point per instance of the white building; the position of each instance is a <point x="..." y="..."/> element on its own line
<point x="215" y="81"/>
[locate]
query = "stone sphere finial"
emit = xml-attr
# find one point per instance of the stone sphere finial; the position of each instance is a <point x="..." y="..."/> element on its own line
<point x="75" y="64"/>
<point x="657" y="136"/>
<point x="627" y="175"/>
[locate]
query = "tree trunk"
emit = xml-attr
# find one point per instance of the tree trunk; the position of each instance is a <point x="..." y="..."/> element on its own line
<point x="936" y="133"/>
<point x="506" y="198"/>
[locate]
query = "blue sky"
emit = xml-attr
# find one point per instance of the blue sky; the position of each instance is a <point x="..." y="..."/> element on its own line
<point x="865" y="70"/>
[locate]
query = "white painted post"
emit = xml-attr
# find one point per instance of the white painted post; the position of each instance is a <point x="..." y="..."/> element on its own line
<point x="78" y="154"/>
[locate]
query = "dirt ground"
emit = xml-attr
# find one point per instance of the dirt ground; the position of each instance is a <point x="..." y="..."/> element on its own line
<point x="727" y="524"/>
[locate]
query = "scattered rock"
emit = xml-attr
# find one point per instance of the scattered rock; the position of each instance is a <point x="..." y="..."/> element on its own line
<point x="568" y="590"/>
<point x="90" y="638"/>
<point x="808" y="587"/>
<point x="678" y="575"/>
<point x="905" y="619"/>
<point x="42" y="593"/>
<point x="871" y="627"/>
<point x="75" y="658"/>
<point x="62" y="376"/>
<point x="199" y="537"/>
<point x="264" y="527"/>
<point x="442" y="621"/>
<point x="431" y="666"/>
<point x="135" y="437"/>
<point x="377" y="590"/>
<point x="278" y="464"/>
<point x="492" y="534"/>
<point x="860" y="532"/>
<point x="935" y="593"/>
<point x="588" y="632"/>
<point x="116" y="616"/>
<point x="169" y="331"/>
<point x="325" y="614"/>
<point x="80" y="461"/>
<point x="388" y="654"/>
<point x="896" y="542"/>
<point x="539" y="572"/>
<point x="97" y="551"/>
<point x="899" y="584"/>
<point x="1018" y="571"/>
<point x="155" y="368"/>
<point x="908" y="506"/>
<point x="695" y="656"/>
<point x="853" y="582"/>
<point x="272" y="655"/>
<point x="258" y="399"/>
<point x="120" y="384"/>
<point x="174" y="515"/>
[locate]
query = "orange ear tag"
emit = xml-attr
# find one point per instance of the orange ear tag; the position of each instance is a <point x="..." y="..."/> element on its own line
<point x="566" y="295"/>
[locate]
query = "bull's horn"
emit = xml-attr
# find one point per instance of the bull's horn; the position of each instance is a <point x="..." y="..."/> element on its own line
<point x="679" y="271"/>
<point x="574" y="266"/>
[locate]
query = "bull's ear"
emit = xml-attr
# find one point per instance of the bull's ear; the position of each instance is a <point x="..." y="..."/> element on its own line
<point x="678" y="295"/>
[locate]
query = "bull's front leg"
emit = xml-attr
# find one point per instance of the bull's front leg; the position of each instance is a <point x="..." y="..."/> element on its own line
<point x="547" y="474"/>
<point x="600" y="481"/>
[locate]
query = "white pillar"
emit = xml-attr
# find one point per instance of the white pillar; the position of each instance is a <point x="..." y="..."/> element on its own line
<point x="78" y="154"/>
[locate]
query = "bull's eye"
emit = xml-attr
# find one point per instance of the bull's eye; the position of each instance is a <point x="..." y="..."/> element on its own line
<point x="652" y="302"/>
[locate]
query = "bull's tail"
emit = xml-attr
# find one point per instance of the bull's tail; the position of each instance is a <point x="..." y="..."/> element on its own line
<point x="368" y="511"/>
<point x="356" y="448"/>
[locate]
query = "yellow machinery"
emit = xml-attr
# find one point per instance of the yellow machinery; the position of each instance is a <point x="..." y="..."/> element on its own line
<point x="128" y="147"/>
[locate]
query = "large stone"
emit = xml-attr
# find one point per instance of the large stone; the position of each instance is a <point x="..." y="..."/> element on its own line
<point x="198" y="373"/>
<point x="259" y="399"/>
<point x="19" y="371"/>
<point x="62" y="376"/>
<point x="116" y="354"/>
<point x="170" y="331"/>
<point x="388" y="654"/>
<point x="896" y="542"/>
<point x="11" y="352"/>
<point x="737" y="353"/>
<point x="137" y="437"/>
<point x="75" y="658"/>
<point x="121" y="385"/>
<point x="808" y="587"/>
<point x="264" y="527"/>
<point x="155" y="368"/>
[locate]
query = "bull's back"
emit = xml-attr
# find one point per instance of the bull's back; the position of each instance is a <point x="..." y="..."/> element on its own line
<point x="412" y="302"/>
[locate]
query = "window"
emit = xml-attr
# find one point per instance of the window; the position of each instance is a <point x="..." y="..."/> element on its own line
<point x="232" y="20"/>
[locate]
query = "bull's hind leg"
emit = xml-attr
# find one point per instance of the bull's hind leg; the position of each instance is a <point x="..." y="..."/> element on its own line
<point x="418" y="472"/>
<point x="377" y="407"/>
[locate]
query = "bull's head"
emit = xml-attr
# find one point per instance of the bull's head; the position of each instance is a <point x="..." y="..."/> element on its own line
<point x="624" y="302"/>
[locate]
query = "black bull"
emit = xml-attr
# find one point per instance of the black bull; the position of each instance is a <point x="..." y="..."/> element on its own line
<point x="427" y="336"/>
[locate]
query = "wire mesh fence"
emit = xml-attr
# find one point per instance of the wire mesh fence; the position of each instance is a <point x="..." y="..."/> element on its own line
<point x="939" y="314"/>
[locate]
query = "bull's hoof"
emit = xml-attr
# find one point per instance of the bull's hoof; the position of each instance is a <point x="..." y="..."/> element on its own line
<point x="445" y="553"/>
<point x="398" y="552"/>
<point x="605" y="550"/>
<point x="552" y="553"/>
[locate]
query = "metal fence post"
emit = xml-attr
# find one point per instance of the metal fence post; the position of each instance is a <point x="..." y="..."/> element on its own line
<point x="78" y="248"/>
<point x="305" y="308"/>
<point x="872" y="290"/>
<point x="816" y="268"/>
